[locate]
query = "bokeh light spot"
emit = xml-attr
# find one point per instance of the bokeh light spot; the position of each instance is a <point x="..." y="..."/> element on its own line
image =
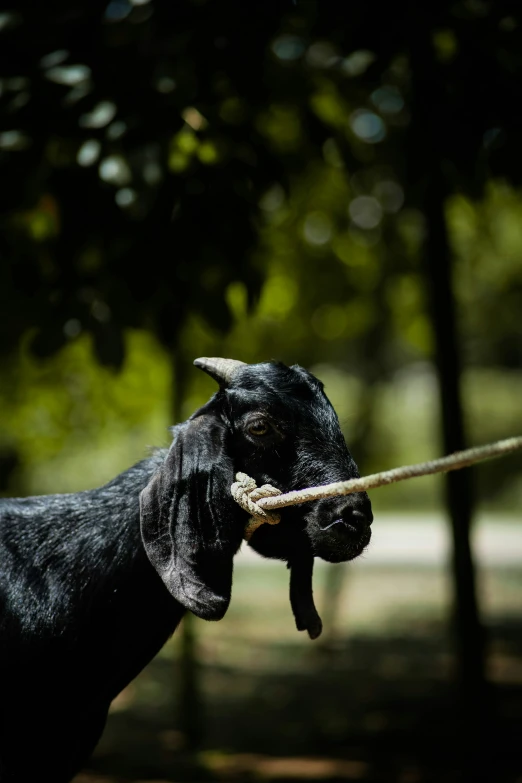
<point x="165" y="84"/>
<point x="272" y="199"/>
<point x="103" y="113"/>
<point x="236" y="297"/>
<point x="115" y="170"/>
<point x="388" y="99"/>
<point x="152" y="173"/>
<point x="357" y="62"/>
<point x="9" y="19"/>
<point x="14" y="140"/>
<point x="445" y="44"/>
<point x="367" y="126"/>
<point x="279" y="295"/>
<point x="322" y="55"/>
<point x="77" y="93"/>
<point x="116" y="130"/>
<point x="117" y="10"/>
<point x="54" y="58"/>
<point x="125" y="197"/>
<point x="101" y="311"/>
<point x="389" y="194"/>
<point x="186" y="141"/>
<point x="317" y="229"/>
<point x="72" y="328"/>
<point x="89" y="152"/>
<point x="365" y="212"/>
<point x="233" y="110"/>
<point x="69" y="75"/>
<point x="208" y="153"/>
<point x="194" y="118"/>
<point x="178" y="161"/>
<point x="288" y="47"/>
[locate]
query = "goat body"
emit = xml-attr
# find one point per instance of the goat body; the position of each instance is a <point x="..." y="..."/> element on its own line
<point x="82" y="612"/>
<point x="92" y="584"/>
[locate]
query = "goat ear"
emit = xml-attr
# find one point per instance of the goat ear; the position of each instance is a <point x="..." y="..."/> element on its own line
<point x="186" y="515"/>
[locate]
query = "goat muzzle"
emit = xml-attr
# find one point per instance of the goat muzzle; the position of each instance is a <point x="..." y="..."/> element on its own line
<point x="340" y="529"/>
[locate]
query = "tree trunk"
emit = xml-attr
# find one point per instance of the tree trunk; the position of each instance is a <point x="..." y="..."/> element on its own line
<point x="459" y="489"/>
<point x="429" y="127"/>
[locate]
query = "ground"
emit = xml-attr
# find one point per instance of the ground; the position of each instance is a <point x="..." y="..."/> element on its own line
<point x="373" y="700"/>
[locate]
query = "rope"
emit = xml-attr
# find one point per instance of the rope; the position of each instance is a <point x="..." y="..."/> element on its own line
<point x="246" y="492"/>
<point x="260" y="501"/>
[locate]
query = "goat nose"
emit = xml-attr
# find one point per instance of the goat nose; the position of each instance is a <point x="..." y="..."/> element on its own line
<point x="352" y="517"/>
<point x="358" y="515"/>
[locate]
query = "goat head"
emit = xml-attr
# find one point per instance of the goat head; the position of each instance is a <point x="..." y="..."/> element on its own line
<point x="276" y="424"/>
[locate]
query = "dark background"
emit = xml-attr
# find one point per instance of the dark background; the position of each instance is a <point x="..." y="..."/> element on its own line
<point x="333" y="184"/>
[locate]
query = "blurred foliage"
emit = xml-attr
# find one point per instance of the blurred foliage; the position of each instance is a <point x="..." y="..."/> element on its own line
<point x="68" y="417"/>
<point x="211" y="180"/>
<point x="142" y="142"/>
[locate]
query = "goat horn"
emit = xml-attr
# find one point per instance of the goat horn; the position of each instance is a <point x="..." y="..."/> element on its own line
<point x="222" y="370"/>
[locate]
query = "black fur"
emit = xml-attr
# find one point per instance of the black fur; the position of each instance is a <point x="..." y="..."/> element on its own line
<point x="90" y="588"/>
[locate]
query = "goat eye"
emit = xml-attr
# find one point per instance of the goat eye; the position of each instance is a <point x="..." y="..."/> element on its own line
<point x="258" y="429"/>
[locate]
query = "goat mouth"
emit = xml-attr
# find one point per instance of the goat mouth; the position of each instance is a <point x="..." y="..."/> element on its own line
<point x="339" y="521"/>
<point x="339" y="541"/>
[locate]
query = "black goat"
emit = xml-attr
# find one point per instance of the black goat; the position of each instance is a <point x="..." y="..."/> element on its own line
<point x="92" y="584"/>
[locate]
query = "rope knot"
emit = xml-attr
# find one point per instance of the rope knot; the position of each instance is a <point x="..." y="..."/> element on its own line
<point x="246" y="492"/>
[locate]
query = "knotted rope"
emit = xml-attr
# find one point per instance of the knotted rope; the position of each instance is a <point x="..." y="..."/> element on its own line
<point x="259" y="501"/>
<point x="246" y="492"/>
